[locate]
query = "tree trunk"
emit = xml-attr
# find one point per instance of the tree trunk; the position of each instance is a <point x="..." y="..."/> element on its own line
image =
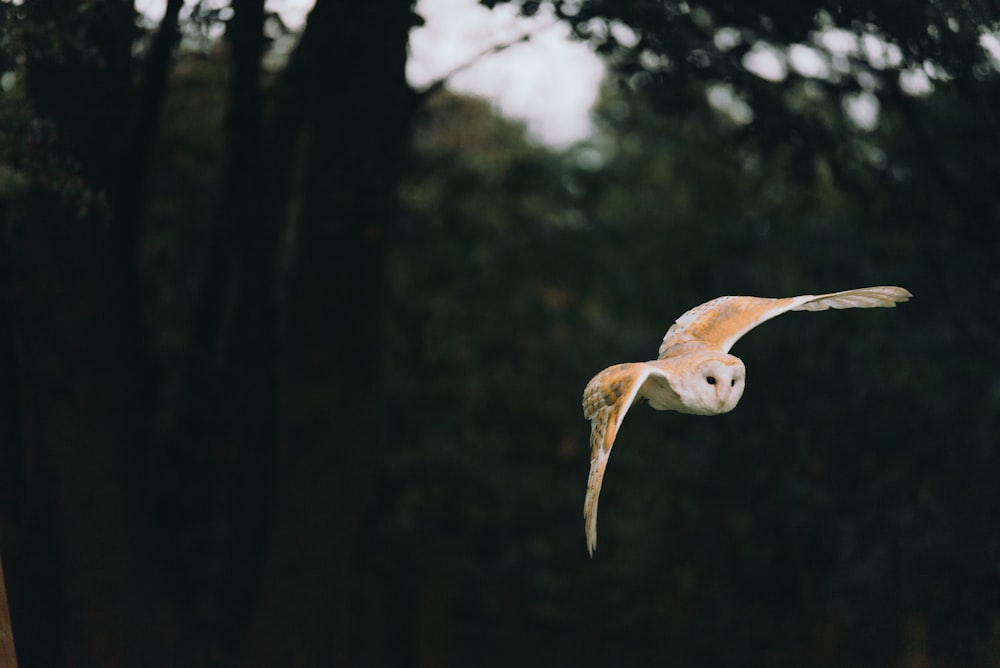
<point x="348" y="77"/>
<point x="82" y="427"/>
<point x="84" y="375"/>
<point x="231" y="380"/>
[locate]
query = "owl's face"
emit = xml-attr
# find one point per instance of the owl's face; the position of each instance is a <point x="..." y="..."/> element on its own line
<point x="714" y="385"/>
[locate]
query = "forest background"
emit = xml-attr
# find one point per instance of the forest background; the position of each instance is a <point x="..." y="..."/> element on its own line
<point x="291" y="354"/>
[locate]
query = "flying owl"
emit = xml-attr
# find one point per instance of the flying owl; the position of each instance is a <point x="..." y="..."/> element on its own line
<point x="694" y="372"/>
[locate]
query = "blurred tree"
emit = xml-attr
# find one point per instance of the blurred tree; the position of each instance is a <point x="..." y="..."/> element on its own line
<point x="84" y="381"/>
<point x="86" y="396"/>
<point x="347" y="82"/>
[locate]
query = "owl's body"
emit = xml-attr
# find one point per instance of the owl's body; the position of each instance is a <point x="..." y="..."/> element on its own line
<point x="694" y="372"/>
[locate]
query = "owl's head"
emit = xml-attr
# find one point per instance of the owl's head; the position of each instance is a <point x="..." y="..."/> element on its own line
<point x="714" y="384"/>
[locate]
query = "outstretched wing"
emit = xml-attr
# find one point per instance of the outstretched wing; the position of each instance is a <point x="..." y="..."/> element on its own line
<point x="606" y="400"/>
<point x="718" y="324"/>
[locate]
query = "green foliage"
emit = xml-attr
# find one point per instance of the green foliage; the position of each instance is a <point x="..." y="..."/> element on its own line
<point x="845" y="492"/>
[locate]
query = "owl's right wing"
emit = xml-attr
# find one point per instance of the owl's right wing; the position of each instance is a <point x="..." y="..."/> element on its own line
<point x="719" y="323"/>
<point x="606" y="400"/>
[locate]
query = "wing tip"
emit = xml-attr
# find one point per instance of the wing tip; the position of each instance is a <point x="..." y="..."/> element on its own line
<point x="903" y="294"/>
<point x="591" y="529"/>
<point x="884" y="296"/>
<point x="877" y="296"/>
<point x="892" y="293"/>
<point x="590" y="519"/>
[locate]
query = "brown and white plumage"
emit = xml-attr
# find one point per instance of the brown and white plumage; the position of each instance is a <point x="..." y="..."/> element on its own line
<point x="694" y="372"/>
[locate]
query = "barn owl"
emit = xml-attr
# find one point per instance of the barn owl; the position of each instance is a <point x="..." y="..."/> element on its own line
<point x="694" y="372"/>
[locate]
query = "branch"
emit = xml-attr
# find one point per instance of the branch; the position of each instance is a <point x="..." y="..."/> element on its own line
<point x="439" y="83"/>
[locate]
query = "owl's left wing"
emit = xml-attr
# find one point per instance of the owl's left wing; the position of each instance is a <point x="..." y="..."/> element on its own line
<point x="606" y="400"/>
<point x="719" y="323"/>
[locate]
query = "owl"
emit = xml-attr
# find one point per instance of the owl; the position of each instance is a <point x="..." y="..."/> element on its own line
<point x="694" y="372"/>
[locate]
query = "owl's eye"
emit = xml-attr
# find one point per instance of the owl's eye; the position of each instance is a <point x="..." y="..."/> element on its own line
<point x="732" y="383"/>
<point x="711" y="380"/>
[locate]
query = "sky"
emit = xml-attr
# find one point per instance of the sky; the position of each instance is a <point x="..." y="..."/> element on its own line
<point x="549" y="82"/>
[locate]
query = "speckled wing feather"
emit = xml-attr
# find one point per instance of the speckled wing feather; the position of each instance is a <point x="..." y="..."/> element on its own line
<point x="606" y="400"/>
<point x="719" y="323"/>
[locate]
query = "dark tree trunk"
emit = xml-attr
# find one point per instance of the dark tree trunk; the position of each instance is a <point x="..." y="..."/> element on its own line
<point x="146" y="116"/>
<point x="83" y="409"/>
<point x="249" y="371"/>
<point x="347" y="77"/>
<point x="90" y="561"/>
<point x="230" y="386"/>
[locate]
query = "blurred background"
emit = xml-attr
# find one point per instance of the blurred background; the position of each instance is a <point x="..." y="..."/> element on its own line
<point x="297" y="304"/>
